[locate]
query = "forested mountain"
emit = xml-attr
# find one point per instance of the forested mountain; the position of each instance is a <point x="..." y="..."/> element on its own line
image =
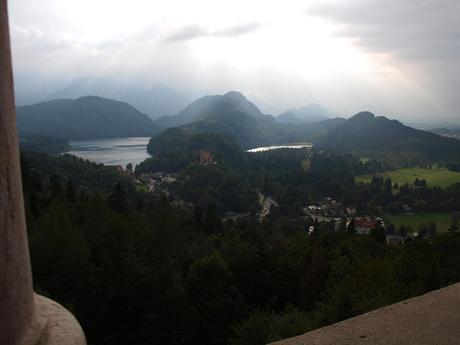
<point x="230" y="114"/>
<point x="233" y="115"/>
<point x="155" y="101"/>
<point x="209" y="106"/>
<point x="174" y="149"/>
<point x="84" y="118"/>
<point x="310" y="113"/>
<point x="367" y="132"/>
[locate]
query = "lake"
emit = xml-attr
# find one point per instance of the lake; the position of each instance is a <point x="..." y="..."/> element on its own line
<point x="277" y="147"/>
<point x="112" y="151"/>
<point x="121" y="151"/>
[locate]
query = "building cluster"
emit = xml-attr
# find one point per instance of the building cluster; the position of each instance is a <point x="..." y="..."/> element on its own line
<point x="157" y="182"/>
<point x="329" y="210"/>
<point x="343" y="217"/>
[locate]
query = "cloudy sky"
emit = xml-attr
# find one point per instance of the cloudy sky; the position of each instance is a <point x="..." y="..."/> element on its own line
<point x="399" y="58"/>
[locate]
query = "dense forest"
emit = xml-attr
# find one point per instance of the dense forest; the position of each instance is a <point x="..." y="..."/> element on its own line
<point x="135" y="267"/>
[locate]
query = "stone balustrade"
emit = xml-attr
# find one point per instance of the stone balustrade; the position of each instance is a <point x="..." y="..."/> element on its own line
<point x="430" y="319"/>
<point x="25" y="318"/>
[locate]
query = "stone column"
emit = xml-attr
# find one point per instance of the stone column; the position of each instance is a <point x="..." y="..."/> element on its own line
<point x="25" y="318"/>
<point x="16" y="294"/>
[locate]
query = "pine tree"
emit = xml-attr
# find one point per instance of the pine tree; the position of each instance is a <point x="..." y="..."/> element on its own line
<point x="212" y="221"/>
<point x="118" y="200"/>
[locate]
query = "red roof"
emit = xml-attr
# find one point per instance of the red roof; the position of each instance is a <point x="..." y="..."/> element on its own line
<point x="365" y="223"/>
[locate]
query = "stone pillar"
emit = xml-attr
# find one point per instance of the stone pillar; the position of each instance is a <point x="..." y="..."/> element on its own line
<point x="16" y="294"/>
<point x="25" y="318"/>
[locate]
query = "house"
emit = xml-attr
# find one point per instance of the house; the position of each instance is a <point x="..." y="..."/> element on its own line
<point x="363" y="225"/>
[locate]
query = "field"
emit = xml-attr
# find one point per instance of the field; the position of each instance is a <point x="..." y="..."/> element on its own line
<point x="443" y="220"/>
<point x="438" y="177"/>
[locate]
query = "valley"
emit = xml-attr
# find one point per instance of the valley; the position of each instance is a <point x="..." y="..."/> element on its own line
<point x="223" y="210"/>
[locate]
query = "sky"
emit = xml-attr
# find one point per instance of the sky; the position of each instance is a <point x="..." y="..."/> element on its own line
<point x="398" y="58"/>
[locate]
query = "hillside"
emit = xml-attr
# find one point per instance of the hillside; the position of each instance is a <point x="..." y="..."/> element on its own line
<point x="230" y="114"/>
<point x="208" y="106"/>
<point x="176" y="148"/>
<point x="41" y="144"/>
<point x="84" y="118"/>
<point x="367" y="132"/>
<point x="233" y="115"/>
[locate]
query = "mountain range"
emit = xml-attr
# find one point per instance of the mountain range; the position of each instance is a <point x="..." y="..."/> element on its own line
<point x="231" y="115"/>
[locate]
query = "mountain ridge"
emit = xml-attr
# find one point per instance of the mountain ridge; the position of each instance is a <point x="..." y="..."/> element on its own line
<point x="366" y="132"/>
<point x="86" y="117"/>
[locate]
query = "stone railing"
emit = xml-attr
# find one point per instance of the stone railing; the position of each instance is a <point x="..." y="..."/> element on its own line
<point x="25" y="318"/>
<point x="431" y="319"/>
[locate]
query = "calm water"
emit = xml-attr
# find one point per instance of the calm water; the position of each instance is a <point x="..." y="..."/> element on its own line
<point x="276" y="147"/>
<point x="114" y="151"/>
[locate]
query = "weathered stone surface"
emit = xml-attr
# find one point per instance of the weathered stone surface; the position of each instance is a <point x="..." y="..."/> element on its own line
<point x="25" y="318"/>
<point x="16" y="295"/>
<point x="52" y="325"/>
<point x="431" y="319"/>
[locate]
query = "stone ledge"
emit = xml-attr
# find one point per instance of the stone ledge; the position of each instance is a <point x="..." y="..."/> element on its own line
<point x="53" y="325"/>
<point x="430" y="319"/>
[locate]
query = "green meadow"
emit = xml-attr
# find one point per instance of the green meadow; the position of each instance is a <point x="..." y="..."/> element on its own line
<point x="443" y="220"/>
<point x="435" y="177"/>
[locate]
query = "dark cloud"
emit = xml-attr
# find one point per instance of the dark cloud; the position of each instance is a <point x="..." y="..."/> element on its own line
<point x="191" y="32"/>
<point x="421" y="38"/>
<point x="413" y="29"/>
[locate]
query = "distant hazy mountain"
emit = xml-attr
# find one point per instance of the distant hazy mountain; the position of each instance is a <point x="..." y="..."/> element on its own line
<point x="307" y="114"/>
<point x="366" y="132"/>
<point x="31" y="88"/>
<point x="446" y="131"/>
<point x="83" y="118"/>
<point x="155" y="101"/>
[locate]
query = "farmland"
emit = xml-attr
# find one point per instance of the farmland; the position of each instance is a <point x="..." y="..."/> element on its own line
<point x="443" y="220"/>
<point x="435" y="177"/>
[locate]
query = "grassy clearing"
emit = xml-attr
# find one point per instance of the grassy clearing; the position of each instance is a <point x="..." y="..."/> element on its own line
<point x="439" y="177"/>
<point x="443" y="220"/>
<point x="142" y="188"/>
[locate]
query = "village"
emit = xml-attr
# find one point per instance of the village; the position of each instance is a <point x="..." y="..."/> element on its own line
<point x="346" y="218"/>
<point x="326" y="211"/>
